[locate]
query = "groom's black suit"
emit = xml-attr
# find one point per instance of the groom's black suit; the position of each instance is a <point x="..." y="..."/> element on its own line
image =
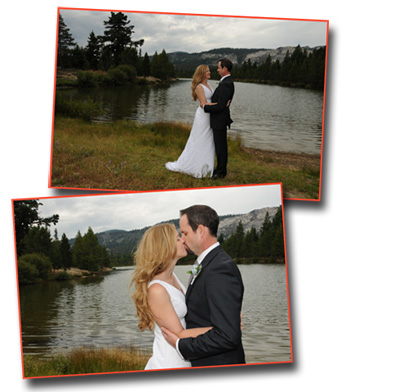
<point x="215" y="299"/>
<point x="220" y="119"/>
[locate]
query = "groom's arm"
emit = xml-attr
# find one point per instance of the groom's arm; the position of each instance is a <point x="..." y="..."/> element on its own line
<point x="224" y="296"/>
<point x="225" y="94"/>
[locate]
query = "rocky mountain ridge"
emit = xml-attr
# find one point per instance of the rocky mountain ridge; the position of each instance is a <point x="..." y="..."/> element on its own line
<point x="184" y="60"/>
<point x="122" y="242"/>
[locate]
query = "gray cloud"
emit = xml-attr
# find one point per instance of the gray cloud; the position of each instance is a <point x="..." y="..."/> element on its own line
<point x="190" y="33"/>
<point x="137" y="210"/>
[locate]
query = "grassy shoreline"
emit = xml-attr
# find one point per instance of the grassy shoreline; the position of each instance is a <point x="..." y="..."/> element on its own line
<point x="86" y="360"/>
<point x="125" y="155"/>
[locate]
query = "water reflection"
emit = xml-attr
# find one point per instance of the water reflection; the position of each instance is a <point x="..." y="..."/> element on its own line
<point x="99" y="312"/>
<point x="265" y="117"/>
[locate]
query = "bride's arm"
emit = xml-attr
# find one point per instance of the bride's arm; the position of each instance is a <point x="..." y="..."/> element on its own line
<point x="201" y="96"/>
<point x="165" y="315"/>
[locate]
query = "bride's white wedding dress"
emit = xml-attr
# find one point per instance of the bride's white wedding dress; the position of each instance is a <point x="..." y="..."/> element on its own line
<point x="164" y="355"/>
<point x="197" y="158"/>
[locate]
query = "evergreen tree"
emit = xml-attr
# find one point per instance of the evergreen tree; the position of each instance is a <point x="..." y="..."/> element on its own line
<point x="145" y="66"/>
<point x="55" y="255"/>
<point x="87" y="253"/>
<point x="64" y="44"/>
<point x="78" y="252"/>
<point x="93" y="251"/>
<point x="65" y="252"/>
<point x="78" y="58"/>
<point x="118" y="34"/>
<point x="93" y="51"/>
<point x="161" y="67"/>
<point x="38" y="240"/>
<point x="26" y="216"/>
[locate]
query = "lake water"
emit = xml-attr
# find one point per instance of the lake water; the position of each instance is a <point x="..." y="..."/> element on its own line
<point x="99" y="312"/>
<point x="265" y="117"/>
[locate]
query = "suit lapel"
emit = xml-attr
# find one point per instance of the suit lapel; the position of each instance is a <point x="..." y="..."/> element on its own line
<point x="207" y="260"/>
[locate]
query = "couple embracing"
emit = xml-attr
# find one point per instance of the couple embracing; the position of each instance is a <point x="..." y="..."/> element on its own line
<point x="200" y="326"/>
<point x="208" y="137"/>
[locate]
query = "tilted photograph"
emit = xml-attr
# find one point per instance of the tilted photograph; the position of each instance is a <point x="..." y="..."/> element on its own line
<point x="158" y="101"/>
<point x="152" y="281"/>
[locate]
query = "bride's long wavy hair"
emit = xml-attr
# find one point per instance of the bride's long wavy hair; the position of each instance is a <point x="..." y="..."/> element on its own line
<point x="155" y="252"/>
<point x="198" y="77"/>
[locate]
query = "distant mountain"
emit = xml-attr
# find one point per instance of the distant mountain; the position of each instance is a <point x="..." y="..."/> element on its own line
<point x="122" y="242"/>
<point x="189" y="61"/>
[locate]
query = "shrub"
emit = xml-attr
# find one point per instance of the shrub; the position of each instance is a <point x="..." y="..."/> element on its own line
<point x="118" y="77"/>
<point x="86" y="79"/>
<point x="27" y="272"/>
<point x="39" y="261"/>
<point x="62" y="276"/>
<point x="130" y="71"/>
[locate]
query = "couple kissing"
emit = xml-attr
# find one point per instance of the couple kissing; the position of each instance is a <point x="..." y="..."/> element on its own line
<point x="200" y="325"/>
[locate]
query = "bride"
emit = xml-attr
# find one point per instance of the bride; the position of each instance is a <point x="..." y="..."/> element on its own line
<point x="197" y="158"/>
<point x="159" y="296"/>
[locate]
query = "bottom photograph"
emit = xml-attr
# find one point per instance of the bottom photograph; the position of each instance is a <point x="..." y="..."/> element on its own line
<point x="153" y="281"/>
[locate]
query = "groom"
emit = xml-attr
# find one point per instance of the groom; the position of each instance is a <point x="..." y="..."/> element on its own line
<point x="214" y="297"/>
<point x="220" y="115"/>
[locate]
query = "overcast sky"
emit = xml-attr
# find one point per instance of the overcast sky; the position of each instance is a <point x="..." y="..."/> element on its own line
<point x="190" y="33"/>
<point x="138" y="210"/>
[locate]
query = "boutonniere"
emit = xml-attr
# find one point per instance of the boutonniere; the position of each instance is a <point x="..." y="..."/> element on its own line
<point x="194" y="272"/>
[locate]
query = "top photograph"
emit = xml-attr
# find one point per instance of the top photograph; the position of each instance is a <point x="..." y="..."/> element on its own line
<point x="163" y="101"/>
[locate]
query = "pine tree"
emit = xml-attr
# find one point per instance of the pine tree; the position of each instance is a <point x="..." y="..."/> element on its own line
<point x="93" y="51"/>
<point x="118" y="34"/>
<point x="78" y="252"/>
<point x="55" y="252"/>
<point x="64" y="44"/>
<point x="25" y="217"/>
<point x="65" y="252"/>
<point x="38" y="240"/>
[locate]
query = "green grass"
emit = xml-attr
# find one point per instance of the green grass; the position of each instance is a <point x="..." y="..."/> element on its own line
<point x="125" y="155"/>
<point x="86" y="361"/>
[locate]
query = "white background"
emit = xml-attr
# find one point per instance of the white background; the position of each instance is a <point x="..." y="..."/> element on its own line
<point x="353" y="269"/>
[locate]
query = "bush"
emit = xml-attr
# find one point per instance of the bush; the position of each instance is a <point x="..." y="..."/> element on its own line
<point x="130" y="71"/>
<point x="86" y="79"/>
<point x="40" y="262"/>
<point x="118" y="77"/>
<point x="62" y="276"/>
<point x="27" y="272"/>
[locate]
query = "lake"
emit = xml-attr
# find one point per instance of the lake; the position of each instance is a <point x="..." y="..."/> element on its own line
<point x="265" y="117"/>
<point x="99" y="312"/>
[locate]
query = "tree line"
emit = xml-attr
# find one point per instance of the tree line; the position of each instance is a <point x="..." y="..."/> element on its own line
<point x="39" y="253"/>
<point x="265" y="246"/>
<point x="300" y="68"/>
<point x="115" y="48"/>
<point x="111" y="50"/>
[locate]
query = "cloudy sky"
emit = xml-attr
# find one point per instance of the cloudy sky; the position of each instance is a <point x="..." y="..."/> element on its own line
<point x="138" y="210"/>
<point x="191" y="33"/>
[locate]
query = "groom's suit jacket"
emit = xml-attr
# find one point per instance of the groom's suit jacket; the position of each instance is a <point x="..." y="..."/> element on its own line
<point x="220" y="113"/>
<point x="215" y="299"/>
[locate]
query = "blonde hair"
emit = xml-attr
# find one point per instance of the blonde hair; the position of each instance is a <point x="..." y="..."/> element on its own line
<point x="155" y="252"/>
<point x="198" y="77"/>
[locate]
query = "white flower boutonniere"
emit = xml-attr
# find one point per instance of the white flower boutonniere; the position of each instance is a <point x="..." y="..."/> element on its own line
<point x="194" y="272"/>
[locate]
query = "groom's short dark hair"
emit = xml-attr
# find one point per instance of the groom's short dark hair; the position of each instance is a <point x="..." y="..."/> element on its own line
<point x="226" y="63"/>
<point x="202" y="215"/>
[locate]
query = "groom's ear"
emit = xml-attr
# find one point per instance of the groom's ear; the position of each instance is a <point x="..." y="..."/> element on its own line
<point x="201" y="230"/>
